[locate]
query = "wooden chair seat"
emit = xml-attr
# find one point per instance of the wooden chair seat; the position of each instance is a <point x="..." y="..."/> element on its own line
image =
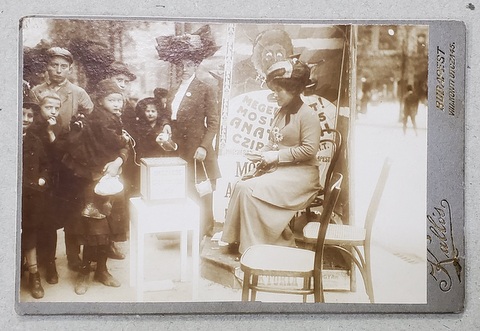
<point x="337" y="234"/>
<point x="278" y="259"/>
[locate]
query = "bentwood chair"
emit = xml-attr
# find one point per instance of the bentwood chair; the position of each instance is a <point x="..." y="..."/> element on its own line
<point x="334" y="143"/>
<point x="264" y="261"/>
<point x="349" y="239"/>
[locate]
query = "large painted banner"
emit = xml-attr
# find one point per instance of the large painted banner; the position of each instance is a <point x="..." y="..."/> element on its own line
<point x="248" y="106"/>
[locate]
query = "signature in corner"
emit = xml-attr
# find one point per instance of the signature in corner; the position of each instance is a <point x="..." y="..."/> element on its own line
<point x="440" y="232"/>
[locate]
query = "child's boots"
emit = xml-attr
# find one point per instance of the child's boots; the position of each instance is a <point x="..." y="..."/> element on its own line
<point x="35" y="285"/>
<point x="91" y="211"/>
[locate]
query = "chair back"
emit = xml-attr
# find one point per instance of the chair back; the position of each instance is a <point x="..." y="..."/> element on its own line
<point x="336" y="144"/>
<point x="331" y="197"/>
<point x="375" y="201"/>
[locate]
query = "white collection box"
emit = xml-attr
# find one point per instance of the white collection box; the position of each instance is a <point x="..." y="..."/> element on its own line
<point x="163" y="178"/>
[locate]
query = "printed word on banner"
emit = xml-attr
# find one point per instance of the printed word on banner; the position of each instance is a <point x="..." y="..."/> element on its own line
<point x="247" y="126"/>
<point x="327" y="115"/>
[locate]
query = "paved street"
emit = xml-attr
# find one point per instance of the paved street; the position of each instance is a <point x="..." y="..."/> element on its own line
<point x="399" y="235"/>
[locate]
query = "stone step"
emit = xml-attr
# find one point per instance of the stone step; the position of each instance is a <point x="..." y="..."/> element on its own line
<point x="219" y="265"/>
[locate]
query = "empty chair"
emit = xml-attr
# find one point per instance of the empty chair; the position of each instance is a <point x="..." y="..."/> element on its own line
<point x="271" y="260"/>
<point x="349" y="239"/>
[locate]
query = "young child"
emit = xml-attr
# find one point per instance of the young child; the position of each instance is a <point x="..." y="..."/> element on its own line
<point x="99" y="147"/>
<point x="37" y="182"/>
<point x="146" y="134"/>
<point x="149" y="128"/>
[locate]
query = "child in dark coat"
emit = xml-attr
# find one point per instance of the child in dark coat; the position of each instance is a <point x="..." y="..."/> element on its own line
<point x="99" y="149"/>
<point x="97" y="142"/>
<point x="37" y="120"/>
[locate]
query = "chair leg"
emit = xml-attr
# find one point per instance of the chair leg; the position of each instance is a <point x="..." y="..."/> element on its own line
<point x="365" y="271"/>
<point x="318" y="287"/>
<point x="306" y="286"/>
<point x="246" y="285"/>
<point x="254" y="283"/>
<point x="368" y="274"/>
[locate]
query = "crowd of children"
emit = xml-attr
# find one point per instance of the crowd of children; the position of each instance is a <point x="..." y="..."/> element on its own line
<point x="73" y="141"/>
<point x="77" y="146"/>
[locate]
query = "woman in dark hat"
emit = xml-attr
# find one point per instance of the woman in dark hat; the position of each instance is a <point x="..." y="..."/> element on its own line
<point x="194" y="118"/>
<point x="261" y="207"/>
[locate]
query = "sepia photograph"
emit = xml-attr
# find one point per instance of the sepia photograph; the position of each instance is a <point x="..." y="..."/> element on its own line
<point x="173" y="161"/>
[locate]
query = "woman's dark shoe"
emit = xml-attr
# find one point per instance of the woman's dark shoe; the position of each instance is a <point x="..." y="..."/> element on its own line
<point x="233" y="248"/>
<point x="106" y="278"/>
<point x="51" y="273"/>
<point x="114" y="253"/>
<point x="35" y="285"/>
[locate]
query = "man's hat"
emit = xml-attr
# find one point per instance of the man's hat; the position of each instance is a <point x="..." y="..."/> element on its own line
<point x="106" y="87"/>
<point x="196" y="46"/>
<point x="61" y="52"/>
<point x="119" y="68"/>
<point x="160" y="93"/>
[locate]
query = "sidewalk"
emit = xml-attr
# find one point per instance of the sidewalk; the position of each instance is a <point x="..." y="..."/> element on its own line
<point x="390" y="270"/>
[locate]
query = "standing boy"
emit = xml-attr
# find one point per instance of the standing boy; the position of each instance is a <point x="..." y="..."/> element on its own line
<point x="74" y="100"/>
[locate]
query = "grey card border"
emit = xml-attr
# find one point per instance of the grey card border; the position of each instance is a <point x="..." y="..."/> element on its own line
<point x="445" y="200"/>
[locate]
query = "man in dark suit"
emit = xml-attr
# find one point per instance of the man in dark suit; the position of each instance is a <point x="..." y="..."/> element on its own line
<point x="193" y="125"/>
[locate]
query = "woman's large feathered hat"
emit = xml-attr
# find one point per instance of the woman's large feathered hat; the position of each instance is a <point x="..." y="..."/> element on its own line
<point x="196" y="46"/>
<point x="291" y="69"/>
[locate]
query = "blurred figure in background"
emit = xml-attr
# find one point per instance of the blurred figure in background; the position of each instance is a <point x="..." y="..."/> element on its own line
<point x="410" y="109"/>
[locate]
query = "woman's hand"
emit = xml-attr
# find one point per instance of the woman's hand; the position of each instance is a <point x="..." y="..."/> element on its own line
<point x="113" y="168"/>
<point x="200" y="154"/>
<point x="270" y="157"/>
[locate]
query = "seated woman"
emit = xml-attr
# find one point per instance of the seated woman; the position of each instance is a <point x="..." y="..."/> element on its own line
<point x="261" y="207"/>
